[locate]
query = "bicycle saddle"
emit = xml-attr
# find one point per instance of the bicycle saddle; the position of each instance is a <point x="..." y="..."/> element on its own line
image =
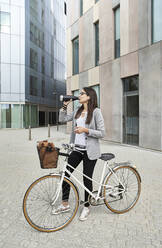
<point x="107" y="156"/>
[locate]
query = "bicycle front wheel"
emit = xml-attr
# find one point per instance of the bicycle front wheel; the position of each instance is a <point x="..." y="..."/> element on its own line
<point x="122" y="189"/>
<point x="37" y="204"/>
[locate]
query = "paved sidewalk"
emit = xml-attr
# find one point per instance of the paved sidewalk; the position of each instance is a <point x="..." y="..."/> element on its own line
<point x="19" y="167"/>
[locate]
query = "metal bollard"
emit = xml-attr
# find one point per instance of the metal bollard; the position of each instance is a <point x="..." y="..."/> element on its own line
<point x="29" y="132"/>
<point x="48" y="130"/>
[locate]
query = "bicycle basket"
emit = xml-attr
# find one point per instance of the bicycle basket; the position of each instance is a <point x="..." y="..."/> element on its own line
<point x="48" y="154"/>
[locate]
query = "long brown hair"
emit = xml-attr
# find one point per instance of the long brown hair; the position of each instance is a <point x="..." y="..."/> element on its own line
<point x="92" y="104"/>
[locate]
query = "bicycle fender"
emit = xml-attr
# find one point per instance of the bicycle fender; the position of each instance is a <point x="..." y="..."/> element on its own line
<point x="117" y="165"/>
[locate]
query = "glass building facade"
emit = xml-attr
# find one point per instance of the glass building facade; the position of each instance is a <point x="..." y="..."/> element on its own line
<point x="32" y="61"/>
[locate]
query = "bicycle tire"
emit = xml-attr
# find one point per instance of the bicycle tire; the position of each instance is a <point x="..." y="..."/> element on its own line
<point x="37" y="205"/>
<point x="117" y="201"/>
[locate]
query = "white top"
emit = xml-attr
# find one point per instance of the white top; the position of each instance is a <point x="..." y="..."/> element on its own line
<point x="80" y="138"/>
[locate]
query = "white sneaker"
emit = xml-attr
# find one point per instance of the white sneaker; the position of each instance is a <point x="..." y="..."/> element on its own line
<point x="61" y="209"/>
<point x="84" y="214"/>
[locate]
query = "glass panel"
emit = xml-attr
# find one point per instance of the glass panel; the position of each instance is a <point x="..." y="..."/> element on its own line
<point x="26" y="116"/>
<point x="4" y="18"/>
<point x="33" y="86"/>
<point x="117" y="32"/>
<point x="156" y="20"/>
<point x="6" y="115"/>
<point x="76" y="103"/>
<point x="15" y="49"/>
<point x="22" y="79"/>
<point x="5" y="78"/>
<point x="76" y="56"/>
<point x="43" y="88"/>
<point x="131" y="111"/>
<point x="131" y="84"/>
<point x="15" y="20"/>
<point x="43" y="64"/>
<point x="132" y="120"/>
<point x="22" y="51"/>
<point x="15" y="78"/>
<point x="34" y="116"/>
<point x="4" y="22"/>
<point x="97" y="44"/>
<point x="22" y="21"/>
<point x="52" y="6"/>
<point x="34" y="8"/>
<point x="16" y="116"/>
<point x="81" y="7"/>
<point x="97" y="89"/>
<point x="117" y="48"/>
<point x="5" y="48"/>
<point x="33" y="59"/>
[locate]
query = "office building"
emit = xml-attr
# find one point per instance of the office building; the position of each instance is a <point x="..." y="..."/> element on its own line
<point x="32" y="61"/>
<point x="115" y="46"/>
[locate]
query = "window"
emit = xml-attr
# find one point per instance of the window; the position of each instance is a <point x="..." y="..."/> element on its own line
<point x="156" y="20"/>
<point x="76" y="104"/>
<point x="31" y="31"/>
<point x="52" y="46"/>
<point x="81" y="7"/>
<point x="52" y="69"/>
<point x="117" y="31"/>
<point x="33" y="86"/>
<point x="97" y="89"/>
<point x="131" y="110"/>
<point x="75" y="56"/>
<point x="6" y="115"/>
<point x="65" y="9"/>
<point x="36" y="36"/>
<point x="33" y="59"/>
<point x="34" y="8"/>
<point x="96" y="43"/>
<point x="42" y="17"/>
<point x="4" y="22"/>
<point x="43" y="88"/>
<point x="55" y="27"/>
<point x="43" y="65"/>
<point x="96" y="1"/>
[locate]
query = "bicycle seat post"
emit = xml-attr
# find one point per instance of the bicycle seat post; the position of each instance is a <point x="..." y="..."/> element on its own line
<point x="102" y="177"/>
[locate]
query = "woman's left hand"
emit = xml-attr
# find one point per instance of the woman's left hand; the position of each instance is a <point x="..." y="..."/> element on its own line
<point x="81" y="130"/>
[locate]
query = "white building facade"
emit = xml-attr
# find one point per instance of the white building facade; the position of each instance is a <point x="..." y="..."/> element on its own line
<point x="32" y="61"/>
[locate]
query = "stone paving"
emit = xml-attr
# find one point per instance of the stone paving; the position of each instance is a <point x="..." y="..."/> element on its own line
<point x="19" y="167"/>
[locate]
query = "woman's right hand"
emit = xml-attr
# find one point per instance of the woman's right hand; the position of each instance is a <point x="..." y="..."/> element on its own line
<point x="66" y="103"/>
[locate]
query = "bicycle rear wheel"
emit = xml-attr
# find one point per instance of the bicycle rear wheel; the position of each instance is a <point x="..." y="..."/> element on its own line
<point x="37" y="204"/>
<point x="125" y="191"/>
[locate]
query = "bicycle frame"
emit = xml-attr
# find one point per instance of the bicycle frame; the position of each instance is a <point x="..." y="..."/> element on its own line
<point x="96" y="197"/>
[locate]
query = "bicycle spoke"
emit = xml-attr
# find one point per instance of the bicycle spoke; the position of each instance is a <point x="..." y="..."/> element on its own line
<point x="37" y="204"/>
<point x="125" y="194"/>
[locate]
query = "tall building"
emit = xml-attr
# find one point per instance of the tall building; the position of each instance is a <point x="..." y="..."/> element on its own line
<point x="115" y="46"/>
<point x="32" y="61"/>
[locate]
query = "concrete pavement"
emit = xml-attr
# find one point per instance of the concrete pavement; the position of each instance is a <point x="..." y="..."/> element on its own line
<point x="19" y="167"/>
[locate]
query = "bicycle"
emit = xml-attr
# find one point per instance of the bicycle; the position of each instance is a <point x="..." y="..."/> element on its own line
<point x="119" y="190"/>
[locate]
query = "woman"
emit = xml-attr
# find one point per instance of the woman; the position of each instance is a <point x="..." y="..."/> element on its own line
<point x="87" y="129"/>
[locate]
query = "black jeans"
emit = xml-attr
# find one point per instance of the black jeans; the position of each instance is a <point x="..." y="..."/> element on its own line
<point x="88" y="167"/>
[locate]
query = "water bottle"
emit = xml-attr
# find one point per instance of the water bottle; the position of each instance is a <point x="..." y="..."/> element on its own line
<point x="68" y="98"/>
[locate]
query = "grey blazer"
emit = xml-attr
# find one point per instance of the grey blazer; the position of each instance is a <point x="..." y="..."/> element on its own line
<point x="96" y="131"/>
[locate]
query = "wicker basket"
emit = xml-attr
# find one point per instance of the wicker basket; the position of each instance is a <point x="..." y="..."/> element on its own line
<point x="48" y="154"/>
